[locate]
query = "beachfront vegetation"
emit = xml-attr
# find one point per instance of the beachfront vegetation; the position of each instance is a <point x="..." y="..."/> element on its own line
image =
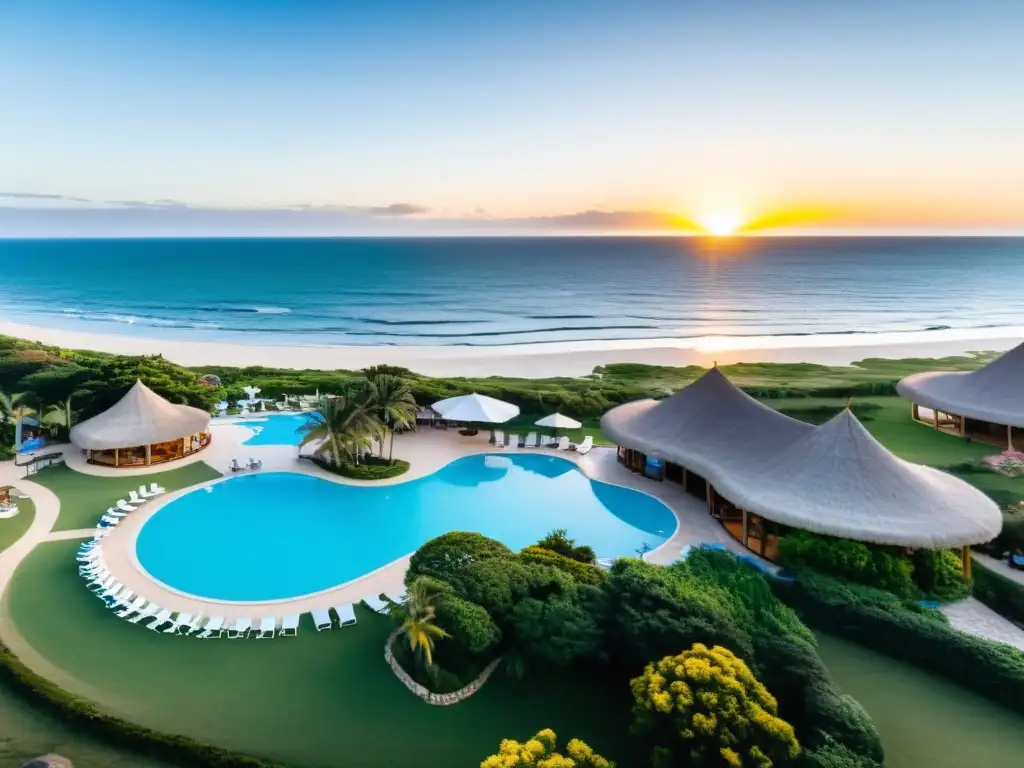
<point x="704" y="707"/>
<point x="930" y="574"/>
<point x="542" y="752"/>
<point x="907" y="631"/>
<point x="542" y="618"/>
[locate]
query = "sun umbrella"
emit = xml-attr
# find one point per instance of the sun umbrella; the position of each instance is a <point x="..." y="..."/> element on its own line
<point x="558" y="421"/>
<point x="476" y="408"/>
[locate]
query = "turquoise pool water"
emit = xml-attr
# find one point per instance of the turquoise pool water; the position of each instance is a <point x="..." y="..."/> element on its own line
<point x="277" y="429"/>
<point x="276" y="535"/>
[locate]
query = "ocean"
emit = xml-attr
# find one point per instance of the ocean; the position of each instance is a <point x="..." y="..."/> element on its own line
<point x="510" y="291"/>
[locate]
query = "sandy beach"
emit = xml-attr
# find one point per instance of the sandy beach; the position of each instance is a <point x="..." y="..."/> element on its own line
<point x="541" y="360"/>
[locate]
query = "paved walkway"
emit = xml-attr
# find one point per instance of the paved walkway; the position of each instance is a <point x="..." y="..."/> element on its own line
<point x="999" y="566"/>
<point x="975" y="618"/>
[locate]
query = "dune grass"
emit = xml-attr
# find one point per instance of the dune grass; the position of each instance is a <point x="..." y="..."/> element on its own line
<point x="12" y="528"/>
<point x="320" y="699"/>
<point x="84" y="498"/>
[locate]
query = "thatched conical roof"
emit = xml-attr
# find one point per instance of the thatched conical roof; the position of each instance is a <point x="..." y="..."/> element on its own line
<point x="141" y="417"/>
<point x="993" y="393"/>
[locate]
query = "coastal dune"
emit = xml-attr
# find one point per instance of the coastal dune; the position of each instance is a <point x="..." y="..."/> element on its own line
<point x="576" y="358"/>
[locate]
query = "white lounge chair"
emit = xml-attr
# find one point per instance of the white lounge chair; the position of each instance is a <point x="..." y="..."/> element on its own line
<point x="176" y="622"/>
<point x="289" y="626"/>
<point x="562" y="444"/>
<point x="145" y="613"/>
<point x="545" y="441"/>
<point x="134" y="498"/>
<point x="215" y="625"/>
<point x="531" y="440"/>
<point x="585" y="446"/>
<point x="112" y="512"/>
<point x="267" y="626"/>
<point x="241" y="628"/>
<point x="346" y="615"/>
<point x="97" y="586"/>
<point x="161" y="618"/>
<point x="156" y="490"/>
<point x="132" y="607"/>
<point x="376" y="604"/>
<point x="124" y="506"/>
<point x="111" y="592"/>
<point x="513" y="440"/>
<point x="145" y="493"/>
<point x="322" y="619"/>
<point x="109" y="520"/>
<point x="499" y="439"/>
<point x="121" y="599"/>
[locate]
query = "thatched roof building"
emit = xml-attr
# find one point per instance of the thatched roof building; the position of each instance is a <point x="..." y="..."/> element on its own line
<point x="833" y="479"/>
<point x="143" y="420"/>
<point x="993" y="394"/>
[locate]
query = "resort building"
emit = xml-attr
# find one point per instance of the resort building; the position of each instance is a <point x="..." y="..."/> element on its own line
<point x="986" y="404"/>
<point x="141" y="429"/>
<point x="761" y="472"/>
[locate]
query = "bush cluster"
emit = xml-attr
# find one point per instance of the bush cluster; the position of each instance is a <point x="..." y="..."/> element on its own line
<point x="371" y="468"/>
<point x="935" y="574"/>
<point x="906" y="631"/>
<point x="177" y="750"/>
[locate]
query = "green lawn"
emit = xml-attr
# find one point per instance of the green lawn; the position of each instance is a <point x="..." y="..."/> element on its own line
<point x="11" y="529"/>
<point x="84" y="498"/>
<point x="321" y="699"/>
<point x="523" y="425"/>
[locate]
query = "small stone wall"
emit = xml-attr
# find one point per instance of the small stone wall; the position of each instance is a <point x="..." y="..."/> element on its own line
<point x="437" y="699"/>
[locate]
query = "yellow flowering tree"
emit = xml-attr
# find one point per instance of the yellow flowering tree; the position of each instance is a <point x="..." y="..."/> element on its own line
<point x="542" y="752"/>
<point x="704" y="707"/>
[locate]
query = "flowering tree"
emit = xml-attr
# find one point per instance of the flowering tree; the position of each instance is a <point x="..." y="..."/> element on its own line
<point x="541" y="752"/>
<point x="704" y="707"/>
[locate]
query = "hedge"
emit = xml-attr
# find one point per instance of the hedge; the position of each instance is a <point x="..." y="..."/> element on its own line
<point x="370" y="469"/>
<point x="178" y="750"/>
<point x="1004" y="596"/>
<point x="921" y="637"/>
<point x="582" y="572"/>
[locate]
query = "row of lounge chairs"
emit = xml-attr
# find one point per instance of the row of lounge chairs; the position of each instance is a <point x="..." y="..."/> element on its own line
<point x="124" y="507"/>
<point x="544" y="441"/>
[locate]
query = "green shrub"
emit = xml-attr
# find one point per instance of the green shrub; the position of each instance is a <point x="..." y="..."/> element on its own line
<point x="922" y="637"/>
<point x="563" y="628"/>
<point x="582" y="572"/>
<point x="177" y="750"/>
<point x="1002" y="595"/>
<point x="558" y="541"/>
<point x="852" y="560"/>
<point x="444" y="555"/>
<point x="829" y="753"/>
<point x="470" y="626"/>
<point x="371" y="468"/>
<point x="938" y="573"/>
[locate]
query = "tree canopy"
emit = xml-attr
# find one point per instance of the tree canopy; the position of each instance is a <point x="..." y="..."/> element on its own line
<point x="542" y="752"/>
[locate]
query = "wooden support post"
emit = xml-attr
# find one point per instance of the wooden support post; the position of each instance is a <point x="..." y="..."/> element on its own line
<point x="1009" y="437"/>
<point x="745" y="522"/>
<point x="711" y="498"/>
<point x="149" y="455"/>
<point x="963" y="426"/>
<point x="966" y="557"/>
<point x="915" y="413"/>
<point x="935" y="417"/>
<point x="115" y="457"/>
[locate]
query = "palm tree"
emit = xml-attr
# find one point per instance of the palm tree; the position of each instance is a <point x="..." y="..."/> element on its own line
<point x="14" y="408"/>
<point x="58" y="415"/>
<point x="393" y="400"/>
<point x="417" y="616"/>
<point x="344" y="425"/>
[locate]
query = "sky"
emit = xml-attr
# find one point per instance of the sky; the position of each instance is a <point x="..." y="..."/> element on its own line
<point x="172" y="117"/>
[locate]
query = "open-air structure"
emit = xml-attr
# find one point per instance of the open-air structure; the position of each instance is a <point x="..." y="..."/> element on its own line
<point x="761" y="472"/>
<point x="986" y="404"/>
<point x="141" y="429"/>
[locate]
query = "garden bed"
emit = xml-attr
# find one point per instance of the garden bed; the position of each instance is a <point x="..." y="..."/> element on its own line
<point x="371" y="468"/>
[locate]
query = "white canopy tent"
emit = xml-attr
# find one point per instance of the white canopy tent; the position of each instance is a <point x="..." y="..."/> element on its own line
<point x="833" y="479"/>
<point x="142" y="419"/>
<point x="476" y="408"/>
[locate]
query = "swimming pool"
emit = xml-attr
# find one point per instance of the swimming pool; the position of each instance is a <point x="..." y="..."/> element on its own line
<point x="276" y="429"/>
<point x="280" y="535"/>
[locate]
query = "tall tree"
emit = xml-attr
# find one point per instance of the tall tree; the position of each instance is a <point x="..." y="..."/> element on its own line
<point x="395" y="405"/>
<point x="344" y="426"/>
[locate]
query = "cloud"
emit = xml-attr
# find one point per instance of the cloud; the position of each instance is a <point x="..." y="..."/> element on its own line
<point x="395" y="209"/>
<point x="42" y="196"/>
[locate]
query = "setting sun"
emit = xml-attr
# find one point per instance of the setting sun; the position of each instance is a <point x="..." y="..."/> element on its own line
<point x="721" y="223"/>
